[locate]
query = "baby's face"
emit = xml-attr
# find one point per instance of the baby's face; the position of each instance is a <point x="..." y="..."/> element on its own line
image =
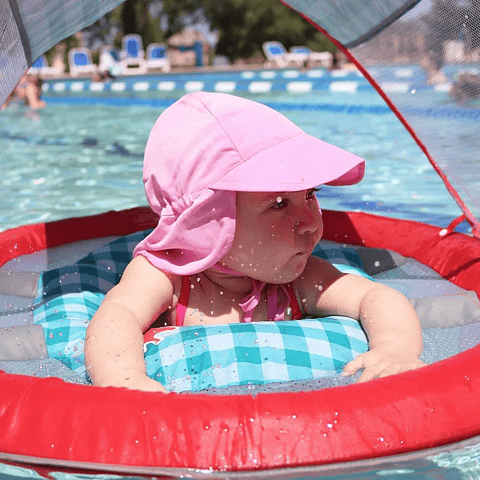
<point x="275" y="234"/>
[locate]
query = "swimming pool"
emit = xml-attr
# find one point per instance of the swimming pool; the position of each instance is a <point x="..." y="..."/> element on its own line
<point x="83" y="156"/>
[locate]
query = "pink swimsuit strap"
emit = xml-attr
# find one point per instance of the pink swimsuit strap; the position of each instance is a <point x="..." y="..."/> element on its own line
<point x="183" y="301"/>
<point x="297" y="313"/>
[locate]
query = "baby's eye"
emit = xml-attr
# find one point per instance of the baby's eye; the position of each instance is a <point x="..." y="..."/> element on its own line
<point x="311" y="193"/>
<point x="280" y="203"/>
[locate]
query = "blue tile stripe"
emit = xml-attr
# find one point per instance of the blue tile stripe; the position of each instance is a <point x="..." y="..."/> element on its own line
<point x="254" y="81"/>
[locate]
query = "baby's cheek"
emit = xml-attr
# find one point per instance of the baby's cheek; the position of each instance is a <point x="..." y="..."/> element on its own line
<point x="320" y="224"/>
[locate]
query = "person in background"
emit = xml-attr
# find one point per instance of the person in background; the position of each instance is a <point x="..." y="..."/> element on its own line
<point x="466" y="87"/>
<point x="432" y="64"/>
<point x="28" y="91"/>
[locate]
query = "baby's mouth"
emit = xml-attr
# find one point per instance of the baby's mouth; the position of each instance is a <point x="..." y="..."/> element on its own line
<point x="309" y="249"/>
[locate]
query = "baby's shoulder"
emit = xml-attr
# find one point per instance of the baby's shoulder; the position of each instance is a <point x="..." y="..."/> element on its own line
<point x="143" y="274"/>
<point x="318" y="275"/>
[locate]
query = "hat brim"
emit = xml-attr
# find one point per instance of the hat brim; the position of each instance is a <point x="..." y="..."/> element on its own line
<point x="298" y="163"/>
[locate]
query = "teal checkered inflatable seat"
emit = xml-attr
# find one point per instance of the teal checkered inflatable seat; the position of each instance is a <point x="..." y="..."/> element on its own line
<point x="196" y="358"/>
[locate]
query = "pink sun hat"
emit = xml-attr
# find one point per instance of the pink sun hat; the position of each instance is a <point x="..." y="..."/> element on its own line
<point x="207" y="146"/>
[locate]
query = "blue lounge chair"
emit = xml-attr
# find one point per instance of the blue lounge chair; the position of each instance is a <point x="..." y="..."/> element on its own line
<point x="304" y="55"/>
<point x="41" y="67"/>
<point x="80" y="62"/>
<point x="110" y="61"/>
<point x="132" y="55"/>
<point x="278" y="55"/>
<point x="157" y="57"/>
<point x="38" y="64"/>
<point x="275" y="53"/>
<point x="300" y="53"/>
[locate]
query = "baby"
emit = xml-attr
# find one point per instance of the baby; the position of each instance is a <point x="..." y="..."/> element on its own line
<point x="233" y="183"/>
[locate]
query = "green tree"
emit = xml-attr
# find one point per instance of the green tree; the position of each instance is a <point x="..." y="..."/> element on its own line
<point x="181" y="12"/>
<point x="244" y="25"/>
<point x="134" y="16"/>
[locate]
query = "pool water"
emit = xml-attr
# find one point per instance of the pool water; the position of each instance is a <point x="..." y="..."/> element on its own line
<point x="72" y="160"/>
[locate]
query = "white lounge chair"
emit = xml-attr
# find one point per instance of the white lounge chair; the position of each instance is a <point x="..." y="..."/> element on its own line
<point x="278" y="55"/>
<point x="275" y="53"/>
<point x="110" y="61"/>
<point x="132" y="55"/>
<point x="80" y="62"/>
<point x="300" y="54"/>
<point x="157" y="57"/>
<point x="41" y="67"/>
<point x="306" y="56"/>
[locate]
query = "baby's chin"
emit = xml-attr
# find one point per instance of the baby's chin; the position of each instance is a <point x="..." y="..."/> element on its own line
<point x="288" y="270"/>
<point x="293" y="272"/>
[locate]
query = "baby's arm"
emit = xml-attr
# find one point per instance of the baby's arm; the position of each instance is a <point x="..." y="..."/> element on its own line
<point x="114" y="341"/>
<point x="390" y="321"/>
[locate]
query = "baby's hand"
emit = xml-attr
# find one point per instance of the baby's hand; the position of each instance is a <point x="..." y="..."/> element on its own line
<point x="383" y="360"/>
<point x="140" y="382"/>
<point x="146" y="384"/>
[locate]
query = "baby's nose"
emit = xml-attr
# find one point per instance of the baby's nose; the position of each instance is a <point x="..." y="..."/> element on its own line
<point x="308" y="221"/>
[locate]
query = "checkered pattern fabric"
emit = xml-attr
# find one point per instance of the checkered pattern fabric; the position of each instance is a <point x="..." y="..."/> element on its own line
<point x="69" y="296"/>
<point x="65" y="320"/>
<point x="98" y="272"/>
<point x="195" y="358"/>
